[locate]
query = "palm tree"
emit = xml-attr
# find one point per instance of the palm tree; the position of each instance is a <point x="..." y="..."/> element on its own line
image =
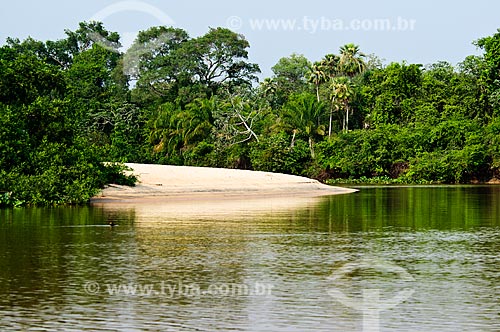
<point x="197" y="119"/>
<point x="317" y="76"/>
<point x="334" y="105"/>
<point x="165" y="134"/>
<point x="268" y="87"/>
<point x="303" y="114"/>
<point x="341" y="93"/>
<point x="351" y="60"/>
<point x="330" y="64"/>
<point x="349" y="64"/>
<point x="173" y="130"/>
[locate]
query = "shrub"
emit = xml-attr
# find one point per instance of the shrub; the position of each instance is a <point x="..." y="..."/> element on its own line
<point x="274" y="154"/>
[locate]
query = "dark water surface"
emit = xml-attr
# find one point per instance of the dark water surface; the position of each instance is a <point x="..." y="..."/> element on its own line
<point x="383" y="259"/>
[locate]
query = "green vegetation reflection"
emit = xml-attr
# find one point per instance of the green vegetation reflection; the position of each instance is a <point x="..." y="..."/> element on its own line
<point x="411" y="208"/>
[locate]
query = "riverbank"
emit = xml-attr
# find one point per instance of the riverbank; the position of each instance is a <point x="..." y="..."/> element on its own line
<point x="184" y="182"/>
<point x="384" y="180"/>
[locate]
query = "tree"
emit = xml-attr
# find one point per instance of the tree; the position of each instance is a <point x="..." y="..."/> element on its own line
<point x="174" y="130"/>
<point x="351" y="61"/>
<point x="342" y="92"/>
<point x="339" y="70"/>
<point x="268" y="87"/>
<point x="290" y="76"/>
<point x="389" y="94"/>
<point x="62" y="52"/>
<point x="292" y="71"/>
<point x="165" y="133"/>
<point x="235" y="121"/>
<point x="491" y="74"/>
<point x="219" y="60"/>
<point x="197" y="119"/>
<point x="268" y="92"/>
<point x="330" y="65"/>
<point x="28" y="46"/>
<point x="317" y="76"/>
<point x="491" y="47"/>
<point x="303" y="114"/>
<point x="90" y="75"/>
<point x="329" y="69"/>
<point x="172" y="66"/>
<point x="24" y="77"/>
<point x="157" y="63"/>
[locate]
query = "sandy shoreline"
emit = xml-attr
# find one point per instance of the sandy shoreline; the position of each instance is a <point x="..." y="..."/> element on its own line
<point x="165" y="182"/>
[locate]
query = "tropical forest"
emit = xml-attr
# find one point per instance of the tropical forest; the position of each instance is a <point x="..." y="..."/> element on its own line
<point x="72" y="111"/>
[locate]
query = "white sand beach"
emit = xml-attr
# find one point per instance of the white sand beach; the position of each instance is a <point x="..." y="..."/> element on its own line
<point x="203" y="183"/>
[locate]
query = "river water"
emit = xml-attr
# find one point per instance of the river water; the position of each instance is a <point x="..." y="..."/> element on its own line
<point x="382" y="259"/>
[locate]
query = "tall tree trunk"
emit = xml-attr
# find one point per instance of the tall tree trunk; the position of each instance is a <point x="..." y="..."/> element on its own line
<point x="292" y="143"/>
<point x="317" y="92"/>
<point x="346" y="118"/>
<point x="330" y="123"/>
<point x="311" y="148"/>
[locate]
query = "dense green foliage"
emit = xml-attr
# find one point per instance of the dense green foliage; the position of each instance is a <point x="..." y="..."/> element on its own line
<point x="46" y="106"/>
<point x="67" y="106"/>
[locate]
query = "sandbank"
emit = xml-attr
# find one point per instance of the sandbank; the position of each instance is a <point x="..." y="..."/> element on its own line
<point x="177" y="183"/>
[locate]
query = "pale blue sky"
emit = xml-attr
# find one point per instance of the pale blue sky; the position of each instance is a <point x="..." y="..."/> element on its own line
<point x="442" y="30"/>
